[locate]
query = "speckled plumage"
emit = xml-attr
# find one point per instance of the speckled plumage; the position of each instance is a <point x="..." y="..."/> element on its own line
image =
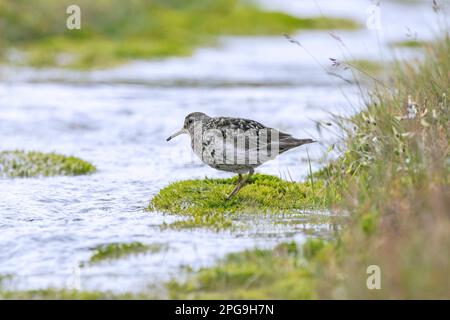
<point x="235" y="144"/>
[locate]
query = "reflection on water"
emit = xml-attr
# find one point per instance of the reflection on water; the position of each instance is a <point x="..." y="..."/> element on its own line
<point x="119" y="119"/>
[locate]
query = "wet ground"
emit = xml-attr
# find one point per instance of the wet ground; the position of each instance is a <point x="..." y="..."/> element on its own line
<point x="118" y="119"/>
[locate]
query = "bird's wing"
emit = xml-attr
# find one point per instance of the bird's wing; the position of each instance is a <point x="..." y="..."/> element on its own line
<point x="229" y="146"/>
<point x="248" y="147"/>
<point x="234" y="140"/>
<point x="228" y="123"/>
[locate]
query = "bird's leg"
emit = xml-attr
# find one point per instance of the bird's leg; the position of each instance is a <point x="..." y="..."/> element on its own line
<point x="241" y="183"/>
<point x="237" y="187"/>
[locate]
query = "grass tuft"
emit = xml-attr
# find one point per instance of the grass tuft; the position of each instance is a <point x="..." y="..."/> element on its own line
<point x="115" y="251"/>
<point x="204" y="201"/>
<point x="21" y="164"/>
<point x="67" y="294"/>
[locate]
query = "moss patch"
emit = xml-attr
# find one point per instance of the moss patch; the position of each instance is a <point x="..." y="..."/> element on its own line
<point x="21" y="164"/>
<point x="204" y="201"/>
<point x="139" y="30"/>
<point x="119" y="250"/>
<point x="65" y="294"/>
<point x="281" y="273"/>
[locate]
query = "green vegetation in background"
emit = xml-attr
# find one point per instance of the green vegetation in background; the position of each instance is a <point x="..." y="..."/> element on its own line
<point x="114" y="251"/>
<point x="114" y="31"/>
<point x="204" y="201"/>
<point x="21" y="164"/>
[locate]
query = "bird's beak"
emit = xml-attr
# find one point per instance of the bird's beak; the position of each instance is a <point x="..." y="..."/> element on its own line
<point x="176" y="134"/>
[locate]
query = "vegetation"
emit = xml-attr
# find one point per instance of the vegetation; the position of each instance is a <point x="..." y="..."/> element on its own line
<point x="204" y="201"/>
<point x="114" y="31"/>
<point x="65" y="294"/>
<point x="283" y="272"/>
<point x="394" y="179"/>
<point x="410" y="44"/>
<point x="101" y="254"/>
<point x="21" y="164"/>
<point x="120" y="250"/>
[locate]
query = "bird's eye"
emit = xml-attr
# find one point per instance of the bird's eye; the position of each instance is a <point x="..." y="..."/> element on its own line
<point x="190" y="121"/>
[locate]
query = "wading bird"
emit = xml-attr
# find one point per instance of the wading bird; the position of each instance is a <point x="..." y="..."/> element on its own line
<point x="235" y="144"/>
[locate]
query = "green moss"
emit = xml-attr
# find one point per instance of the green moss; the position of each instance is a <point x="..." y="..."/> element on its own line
<point x="65" y="294"/>
<point x="141" y="29"/>
<point x="281" y="273"/>
<point x="119" y="250"/>
<point x="23" y="164"/>
<point x="410" y="44"/>
<point x="204" y="201"/>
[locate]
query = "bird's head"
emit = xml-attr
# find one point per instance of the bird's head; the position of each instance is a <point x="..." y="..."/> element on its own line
<point x="189" y="121"/>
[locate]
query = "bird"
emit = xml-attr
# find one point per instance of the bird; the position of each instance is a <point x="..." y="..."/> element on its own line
<point x="235" y="144"/>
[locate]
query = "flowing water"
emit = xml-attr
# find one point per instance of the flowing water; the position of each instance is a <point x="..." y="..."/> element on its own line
<point x="118" y="119"/>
